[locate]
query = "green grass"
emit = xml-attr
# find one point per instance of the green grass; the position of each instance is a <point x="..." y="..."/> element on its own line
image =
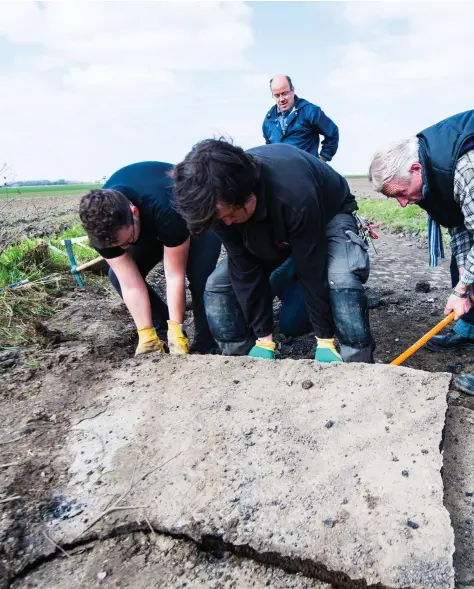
<point x="390" y="214"/>
<point x="48" y="272"/>
<point x="54" y="190"/>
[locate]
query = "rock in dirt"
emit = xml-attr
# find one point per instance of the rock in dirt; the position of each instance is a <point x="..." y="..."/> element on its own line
<point x="168" y="442"/>
<point x="139" y="561"/>
<point x="458" y="477"/>
<point x="423" y="286"/>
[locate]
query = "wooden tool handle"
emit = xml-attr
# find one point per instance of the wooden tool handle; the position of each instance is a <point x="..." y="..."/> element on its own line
<point x="422" y="341"/>
<point x="89" y="264"/>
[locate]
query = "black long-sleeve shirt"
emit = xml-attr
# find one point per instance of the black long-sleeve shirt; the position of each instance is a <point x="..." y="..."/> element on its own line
<point x="297" y="195"/>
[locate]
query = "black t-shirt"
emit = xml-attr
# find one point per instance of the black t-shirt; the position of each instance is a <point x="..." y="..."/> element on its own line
<point x="148" y="187"/>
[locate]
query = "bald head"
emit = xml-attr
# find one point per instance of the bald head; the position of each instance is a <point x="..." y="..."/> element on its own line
<point x="283" y="92"/>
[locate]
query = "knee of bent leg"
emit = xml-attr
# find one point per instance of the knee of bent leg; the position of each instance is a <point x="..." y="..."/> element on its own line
<point x="218" y="281"/>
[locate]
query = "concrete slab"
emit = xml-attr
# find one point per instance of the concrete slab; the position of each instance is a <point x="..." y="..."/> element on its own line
<point x="329" y="470"/>
<point x="458" y="475"/>
<point x="140" y="561"/>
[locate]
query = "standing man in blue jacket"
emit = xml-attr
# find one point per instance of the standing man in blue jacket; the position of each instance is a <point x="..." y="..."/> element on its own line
<point x="297" y="122"/>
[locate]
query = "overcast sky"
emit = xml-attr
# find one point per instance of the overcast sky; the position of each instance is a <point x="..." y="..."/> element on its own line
<point x="88" y="87"/>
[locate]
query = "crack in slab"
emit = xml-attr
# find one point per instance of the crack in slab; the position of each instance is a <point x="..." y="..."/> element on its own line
<point x="213" y="544"/>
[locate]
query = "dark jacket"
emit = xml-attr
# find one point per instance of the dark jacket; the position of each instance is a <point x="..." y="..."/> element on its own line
<point x="304" y="126"/>
<point x="297" y="195"/>
<point x="440" y="147"/>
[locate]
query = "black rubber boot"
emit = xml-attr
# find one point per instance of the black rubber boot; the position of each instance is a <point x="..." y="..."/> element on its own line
<point x="451" y="342"/>
<point x="465" y="383"/>
<point x="351" y="318"/>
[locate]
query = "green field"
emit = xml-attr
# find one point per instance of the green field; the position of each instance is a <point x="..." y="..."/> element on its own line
<point x="54" y="190"/>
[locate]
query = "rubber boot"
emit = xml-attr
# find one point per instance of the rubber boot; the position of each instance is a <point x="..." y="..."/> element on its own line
<point x="351" y="318"/>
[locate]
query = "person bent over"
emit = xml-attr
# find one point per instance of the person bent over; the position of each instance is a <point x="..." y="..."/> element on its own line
<point x="285" y="219"/>
<point x="132" y="224"/>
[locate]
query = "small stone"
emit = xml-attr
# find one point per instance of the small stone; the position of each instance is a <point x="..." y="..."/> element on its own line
<point x="236" y="381"/>
<point x="394" y="458"/>
<point x="329" y="423"/>
<point x="345" y="501"/>
<point x="329" y="523"/>
<point x="422" y="286"/>
<point x="469" y="493"/>
<point x="424" y="451"/>
<point x="430" y="300"/>
<point x="404" y="473"/>
<point x="307" y="384"/>
<point x="469" y="522"/>
<point x="101" y="576"/>
<point x="228" y="407"/>
<point x="412" y="525"/>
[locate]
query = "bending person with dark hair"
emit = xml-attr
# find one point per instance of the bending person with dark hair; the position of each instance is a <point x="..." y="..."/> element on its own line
<point x="132" y="224"/>
<point x="285" y="219"/>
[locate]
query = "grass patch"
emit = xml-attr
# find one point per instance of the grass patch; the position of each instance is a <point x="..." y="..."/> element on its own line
<point x="390" y="214"/>
<point x="48" y="272"/>
<point x="53" y="190"/>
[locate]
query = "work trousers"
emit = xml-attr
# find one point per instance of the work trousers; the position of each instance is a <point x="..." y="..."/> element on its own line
<point x="464" y="326"/>
<point x="203" y="255"/>
<point x="348" y="269"/>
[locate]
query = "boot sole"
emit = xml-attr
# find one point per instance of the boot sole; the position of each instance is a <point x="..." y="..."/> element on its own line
<point x="466" y="347"/>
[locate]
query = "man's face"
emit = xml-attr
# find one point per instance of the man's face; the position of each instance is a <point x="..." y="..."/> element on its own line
<point x="406" y="192"/>
<point x="282" y="93"/>
<point x="128" y="234"/>
<point x="229" y="214"/>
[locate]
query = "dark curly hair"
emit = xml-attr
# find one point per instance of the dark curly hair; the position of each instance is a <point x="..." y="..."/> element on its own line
<point x="214" y="171"/>
<point x="103" y="213"/>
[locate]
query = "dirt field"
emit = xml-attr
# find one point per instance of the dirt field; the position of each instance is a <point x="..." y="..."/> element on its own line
<point x="47" y="385"/>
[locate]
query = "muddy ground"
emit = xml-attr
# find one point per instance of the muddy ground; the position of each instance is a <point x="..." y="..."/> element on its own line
<point x="46" y="386"/>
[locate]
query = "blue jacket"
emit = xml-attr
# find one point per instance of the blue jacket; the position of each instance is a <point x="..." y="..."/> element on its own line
<point x="304" y="126"/>
<point x="440" y="147"/>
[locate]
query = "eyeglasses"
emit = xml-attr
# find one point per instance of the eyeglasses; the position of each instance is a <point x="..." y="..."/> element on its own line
<point x="132" y="240"/>
<point x="282" y="94"/>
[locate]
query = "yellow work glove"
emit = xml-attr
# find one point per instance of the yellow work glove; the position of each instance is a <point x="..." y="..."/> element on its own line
<point x="178" y="343"/>
<point x="148" y="342"/>
<point x="326" y="351"/>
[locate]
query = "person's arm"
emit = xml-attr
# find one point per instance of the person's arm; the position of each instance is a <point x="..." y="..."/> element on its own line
<point x="137" y="300"/>
<point x="460" y="244"/>
<point x="134" y="290"/>
<point x="264" y="128"/>
<point x="307" y="236"/>
<point x="323" y="125"/>
<point x="175" y="260"/>
<point x="250" y="283"/>
<point x="463" y="241"/>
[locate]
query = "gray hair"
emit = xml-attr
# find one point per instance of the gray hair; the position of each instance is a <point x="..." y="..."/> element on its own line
<point x="393" y="161"/>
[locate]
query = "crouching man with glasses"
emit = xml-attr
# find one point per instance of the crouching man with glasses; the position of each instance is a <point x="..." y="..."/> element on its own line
<point x="132" y="224"/>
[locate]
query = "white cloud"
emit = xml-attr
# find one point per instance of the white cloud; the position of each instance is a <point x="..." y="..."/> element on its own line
<point x="407" y="66"/>
<point x="96" y="85"/>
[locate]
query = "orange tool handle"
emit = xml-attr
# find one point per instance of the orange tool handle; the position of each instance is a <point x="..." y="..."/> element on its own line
<point x="422" y="341"/>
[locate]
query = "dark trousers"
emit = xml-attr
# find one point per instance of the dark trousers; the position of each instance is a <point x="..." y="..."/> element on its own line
<point x="348" y="269"/>
<point x="464" y="326"/>
<point x="203" y="255"/>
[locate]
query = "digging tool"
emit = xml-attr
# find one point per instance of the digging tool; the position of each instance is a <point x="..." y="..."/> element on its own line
<point x="75" y="269"/>
<point x="422" y="341"/>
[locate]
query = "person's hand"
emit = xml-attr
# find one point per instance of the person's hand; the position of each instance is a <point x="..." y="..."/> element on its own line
<point x="148" y="341"/>
<point x="263" y="350"/>
<point x="178" y="343"/>
<point x="459" y="305"/>
<point x="326" y="351"/>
